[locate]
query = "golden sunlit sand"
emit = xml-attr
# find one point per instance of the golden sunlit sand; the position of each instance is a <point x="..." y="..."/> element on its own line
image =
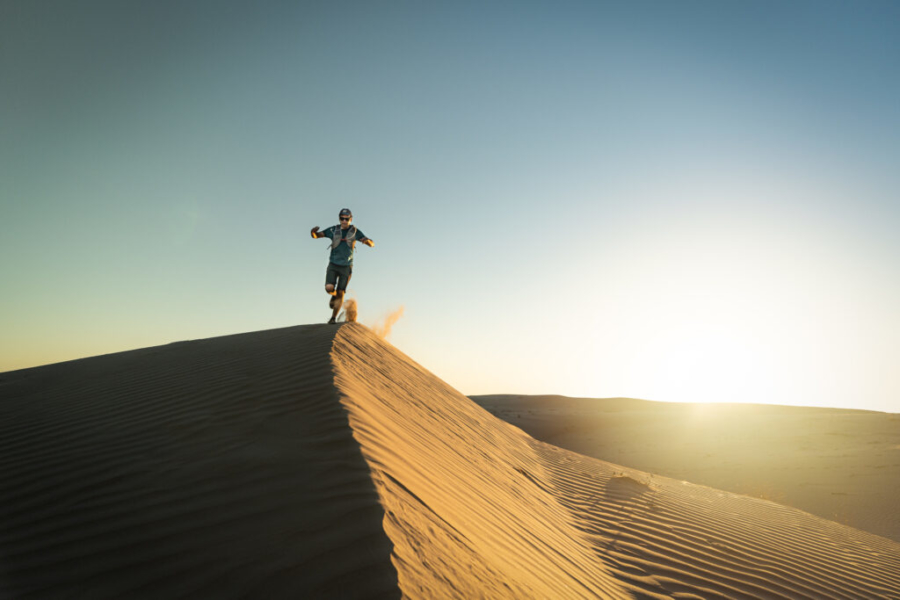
<point x="843" y="465"/>
<point x="320" y="461"/>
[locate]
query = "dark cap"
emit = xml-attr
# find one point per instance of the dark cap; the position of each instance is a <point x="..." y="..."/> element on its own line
<point x="345" y="212"/>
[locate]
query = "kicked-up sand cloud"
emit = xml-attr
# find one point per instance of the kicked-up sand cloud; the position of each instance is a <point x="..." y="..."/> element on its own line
<point x="321" y="462"/>
<point x="383" y="327"/>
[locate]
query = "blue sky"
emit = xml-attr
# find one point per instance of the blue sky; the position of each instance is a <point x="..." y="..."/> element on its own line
<point x="693" y="201"/>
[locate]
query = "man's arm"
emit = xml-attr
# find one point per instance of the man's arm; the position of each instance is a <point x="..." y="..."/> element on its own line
<point x="363" y="239"/>
<point x="315" y="233"/>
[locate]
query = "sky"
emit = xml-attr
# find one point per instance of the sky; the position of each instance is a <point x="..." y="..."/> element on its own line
<point x="688" y="201"/>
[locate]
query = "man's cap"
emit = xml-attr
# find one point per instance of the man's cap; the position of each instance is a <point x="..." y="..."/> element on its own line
<point x="345" y="212"/>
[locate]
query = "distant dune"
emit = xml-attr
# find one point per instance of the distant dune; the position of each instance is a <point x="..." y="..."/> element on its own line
<point x="843" y="465"/>
<point x="321" y="462"/>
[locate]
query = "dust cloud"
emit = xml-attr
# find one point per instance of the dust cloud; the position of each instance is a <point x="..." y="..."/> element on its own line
<point x="383" y="328"/>
<point x="350" y="310"/>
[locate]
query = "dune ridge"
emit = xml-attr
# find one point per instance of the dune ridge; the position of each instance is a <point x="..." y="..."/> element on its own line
<point x="461" y="489"/>
<point x="320" y="461"/>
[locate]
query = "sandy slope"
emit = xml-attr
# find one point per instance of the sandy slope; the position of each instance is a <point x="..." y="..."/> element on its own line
<point x="843" y="465"/>
<point x="466" y="510"/>
<point x="319" y="461"/>
<point x="473" y="504"/>
<point x="220" y="468"/>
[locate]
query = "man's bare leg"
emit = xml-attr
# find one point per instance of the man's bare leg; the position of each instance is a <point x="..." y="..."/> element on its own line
<point x="335" y="304"/>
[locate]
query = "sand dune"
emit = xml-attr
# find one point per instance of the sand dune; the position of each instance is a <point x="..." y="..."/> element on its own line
<point x="319" y="461"/>
<point x="843" y="465"/>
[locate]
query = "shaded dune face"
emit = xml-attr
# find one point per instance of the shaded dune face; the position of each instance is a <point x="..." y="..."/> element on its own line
<point x="321" y="462"/>
<point x="220" y="468"/>
<point x="476" y="508"/>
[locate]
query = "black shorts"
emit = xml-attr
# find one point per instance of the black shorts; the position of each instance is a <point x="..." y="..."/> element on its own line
<point x="340" y="274"/>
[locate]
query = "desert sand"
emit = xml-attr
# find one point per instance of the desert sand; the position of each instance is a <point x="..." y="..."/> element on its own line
<point x="843" y="465"/>
<point x="320" y="461"/>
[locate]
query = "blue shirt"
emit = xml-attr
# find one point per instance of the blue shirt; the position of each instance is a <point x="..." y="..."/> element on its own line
<point x="343" y="253"/>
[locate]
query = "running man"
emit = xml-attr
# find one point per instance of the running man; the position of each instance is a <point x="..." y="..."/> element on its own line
<point x="343" y="240"/>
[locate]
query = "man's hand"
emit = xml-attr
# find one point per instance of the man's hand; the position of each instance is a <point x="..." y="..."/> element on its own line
<point x="314" y="231"/>
<point x="368" y="242"/>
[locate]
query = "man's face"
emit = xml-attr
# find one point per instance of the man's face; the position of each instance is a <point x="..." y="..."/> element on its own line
<point x="345" y="222"/>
